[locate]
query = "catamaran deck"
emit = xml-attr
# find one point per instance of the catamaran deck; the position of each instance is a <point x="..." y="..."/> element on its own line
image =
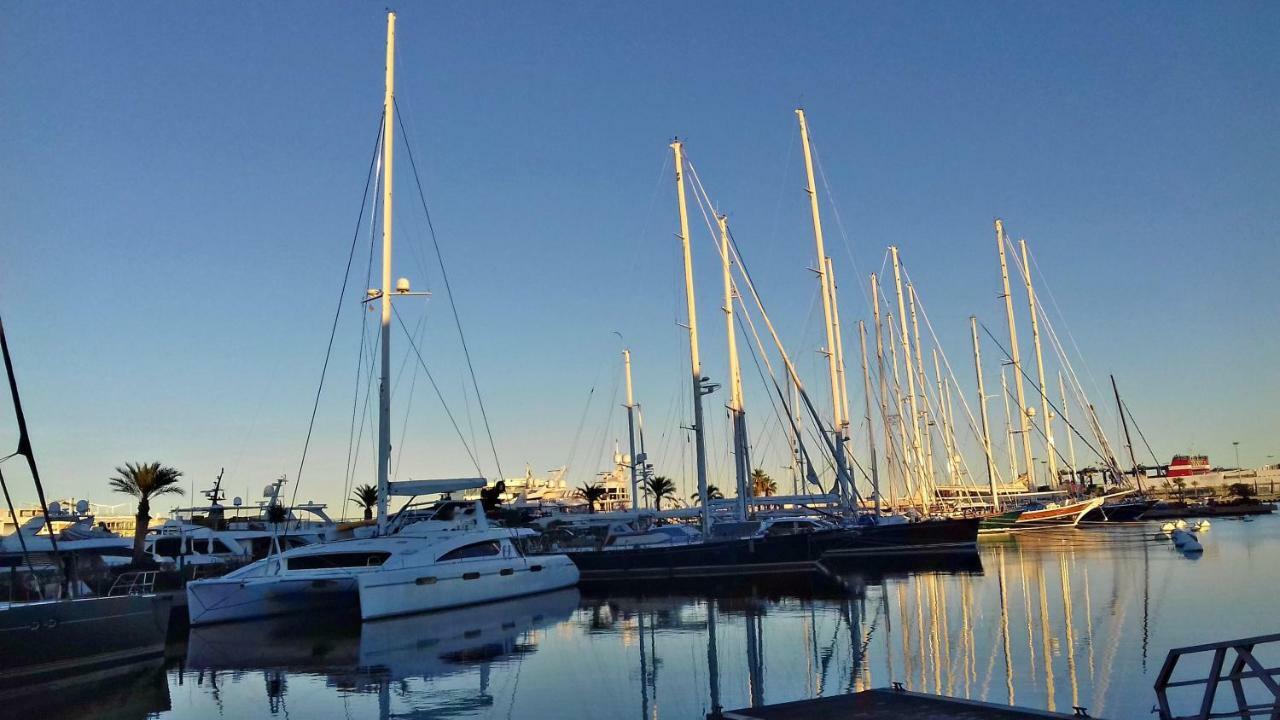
<point x="884" y="704"/>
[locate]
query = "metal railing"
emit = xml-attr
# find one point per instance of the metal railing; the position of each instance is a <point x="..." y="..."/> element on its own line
<point x="1245" y="673"/>
<point x="135" y="582"/>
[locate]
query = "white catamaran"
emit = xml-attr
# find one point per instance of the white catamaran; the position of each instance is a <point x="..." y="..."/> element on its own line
<point x="450" y="558"/>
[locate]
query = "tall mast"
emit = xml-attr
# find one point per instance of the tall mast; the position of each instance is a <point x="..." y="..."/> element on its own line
<point x="944" y="419"/>
<point x="840" y="365"/>
<point x="1046" y="415"/>
<point x="916" y="455"/>
<point x="1066" y="419"/>
<point x="801" y="470"/>
<point x="631" y="429"/>
<point x="982" y="405"/>
<point x="736" y="411"/>
<point x="825" y="281"/>
<point x="840" y="371"/>
<point x="1125" y="424"/>
<point x="951" y="428"/>
<point x="384" y="385"/>
<point x="871" y="435"/>
<point x="1023" y="430"/>
<point x="1008" y="425"/>
<point x="905" y="456"/>
<point x="884" y="393"/>
<point x="926" y="415"/>
<point x="695" y="362"/>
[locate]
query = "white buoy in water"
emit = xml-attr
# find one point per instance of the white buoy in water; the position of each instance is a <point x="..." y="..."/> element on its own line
<point x="1181" y="524"/>
<point x="1202" y="526"/>
<point x="1168" y="527"/>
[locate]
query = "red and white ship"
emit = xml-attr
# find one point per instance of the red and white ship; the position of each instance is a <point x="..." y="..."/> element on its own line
<point x="1189" y="465"/>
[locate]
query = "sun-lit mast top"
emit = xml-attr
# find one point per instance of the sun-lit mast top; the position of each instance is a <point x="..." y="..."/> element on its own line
<point x="384" y="383"/>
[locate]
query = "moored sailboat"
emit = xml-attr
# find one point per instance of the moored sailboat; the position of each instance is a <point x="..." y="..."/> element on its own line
<point x="448" y="559"/>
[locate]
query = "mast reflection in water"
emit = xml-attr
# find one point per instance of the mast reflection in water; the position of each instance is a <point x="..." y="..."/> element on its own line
<point x="1047" y="620"/>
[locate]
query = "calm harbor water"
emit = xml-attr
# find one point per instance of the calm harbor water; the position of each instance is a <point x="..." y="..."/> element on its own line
<point x="1045" y="620"/>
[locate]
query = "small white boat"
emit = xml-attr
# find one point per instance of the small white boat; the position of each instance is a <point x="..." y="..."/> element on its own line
<point x="1181" y="524"/>
<point x="1168" y="527"/>
<point x="1201" y="526"/>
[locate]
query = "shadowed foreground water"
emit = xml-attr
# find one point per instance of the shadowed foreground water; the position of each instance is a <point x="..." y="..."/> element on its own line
<point x="1046" y="620"/>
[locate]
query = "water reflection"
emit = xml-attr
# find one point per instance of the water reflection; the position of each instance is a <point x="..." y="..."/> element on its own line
<point x="1048" y="620"/>
<point x="381" y="658"/>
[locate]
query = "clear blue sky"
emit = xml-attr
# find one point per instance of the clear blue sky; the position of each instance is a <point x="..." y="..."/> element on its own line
<point x="180" y="183"/>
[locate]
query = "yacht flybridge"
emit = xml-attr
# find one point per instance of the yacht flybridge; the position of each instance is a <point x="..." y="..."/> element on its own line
<point x="414" y="562"/>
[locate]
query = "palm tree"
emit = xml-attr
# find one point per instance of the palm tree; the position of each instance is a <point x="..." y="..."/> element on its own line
<point x="145" y="481"/>
<point x="661" y="487"/>
<point x="592" y="493"/>
<point x="366" y="496"/>
<point x="713" y="492"/>
<point x="761" y="484"/>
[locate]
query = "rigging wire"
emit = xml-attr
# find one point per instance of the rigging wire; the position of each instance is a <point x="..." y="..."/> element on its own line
<point x="444" y="275"/>
<point x="439" y="394"/>
<point x="333" y="330"/>
<point x="366" y="341"/>
<point x="1137" y="427"/>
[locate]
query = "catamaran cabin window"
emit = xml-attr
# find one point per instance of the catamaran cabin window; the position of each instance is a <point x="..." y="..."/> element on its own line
<point x="474" y="550"/>
<point x="338" y="560"/>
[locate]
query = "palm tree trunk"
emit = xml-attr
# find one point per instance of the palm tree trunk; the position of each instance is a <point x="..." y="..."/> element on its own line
<point x="141" y="521"/>
<point x="368" y="513"/>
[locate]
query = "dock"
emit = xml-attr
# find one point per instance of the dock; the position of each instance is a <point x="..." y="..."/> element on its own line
<point x="886" y="704"/>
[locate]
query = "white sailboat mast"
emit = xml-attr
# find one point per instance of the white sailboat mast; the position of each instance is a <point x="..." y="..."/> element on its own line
<point x="837" y="407"/>
<point x="384" y="385"/>
<point x="982" y="406"/>
<point x="1045" y="414"/>
<point x="1023" y="430"/>
<point x="916" y="454"/>
<point x="884" y="391"/>
<point x="1066" y="419"/>
<point x="631" y="430"/>
<point x="871" y="434"/>
<point x="927" y="415"/>
<point x="695" y="360"/>
<point x="737" y="413"/>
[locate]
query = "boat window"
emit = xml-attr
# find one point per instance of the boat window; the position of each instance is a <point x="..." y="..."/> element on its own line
<point x="220" y="547"/>
<point x="338" y="560"/>
<point x="167" y="546"/>
<point x="474" y="550"/>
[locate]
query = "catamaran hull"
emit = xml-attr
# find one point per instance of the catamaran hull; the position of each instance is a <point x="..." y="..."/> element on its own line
<point x="228" y="600"/>
<point x="389" y="592"/>
<point x="65" y="641"/>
